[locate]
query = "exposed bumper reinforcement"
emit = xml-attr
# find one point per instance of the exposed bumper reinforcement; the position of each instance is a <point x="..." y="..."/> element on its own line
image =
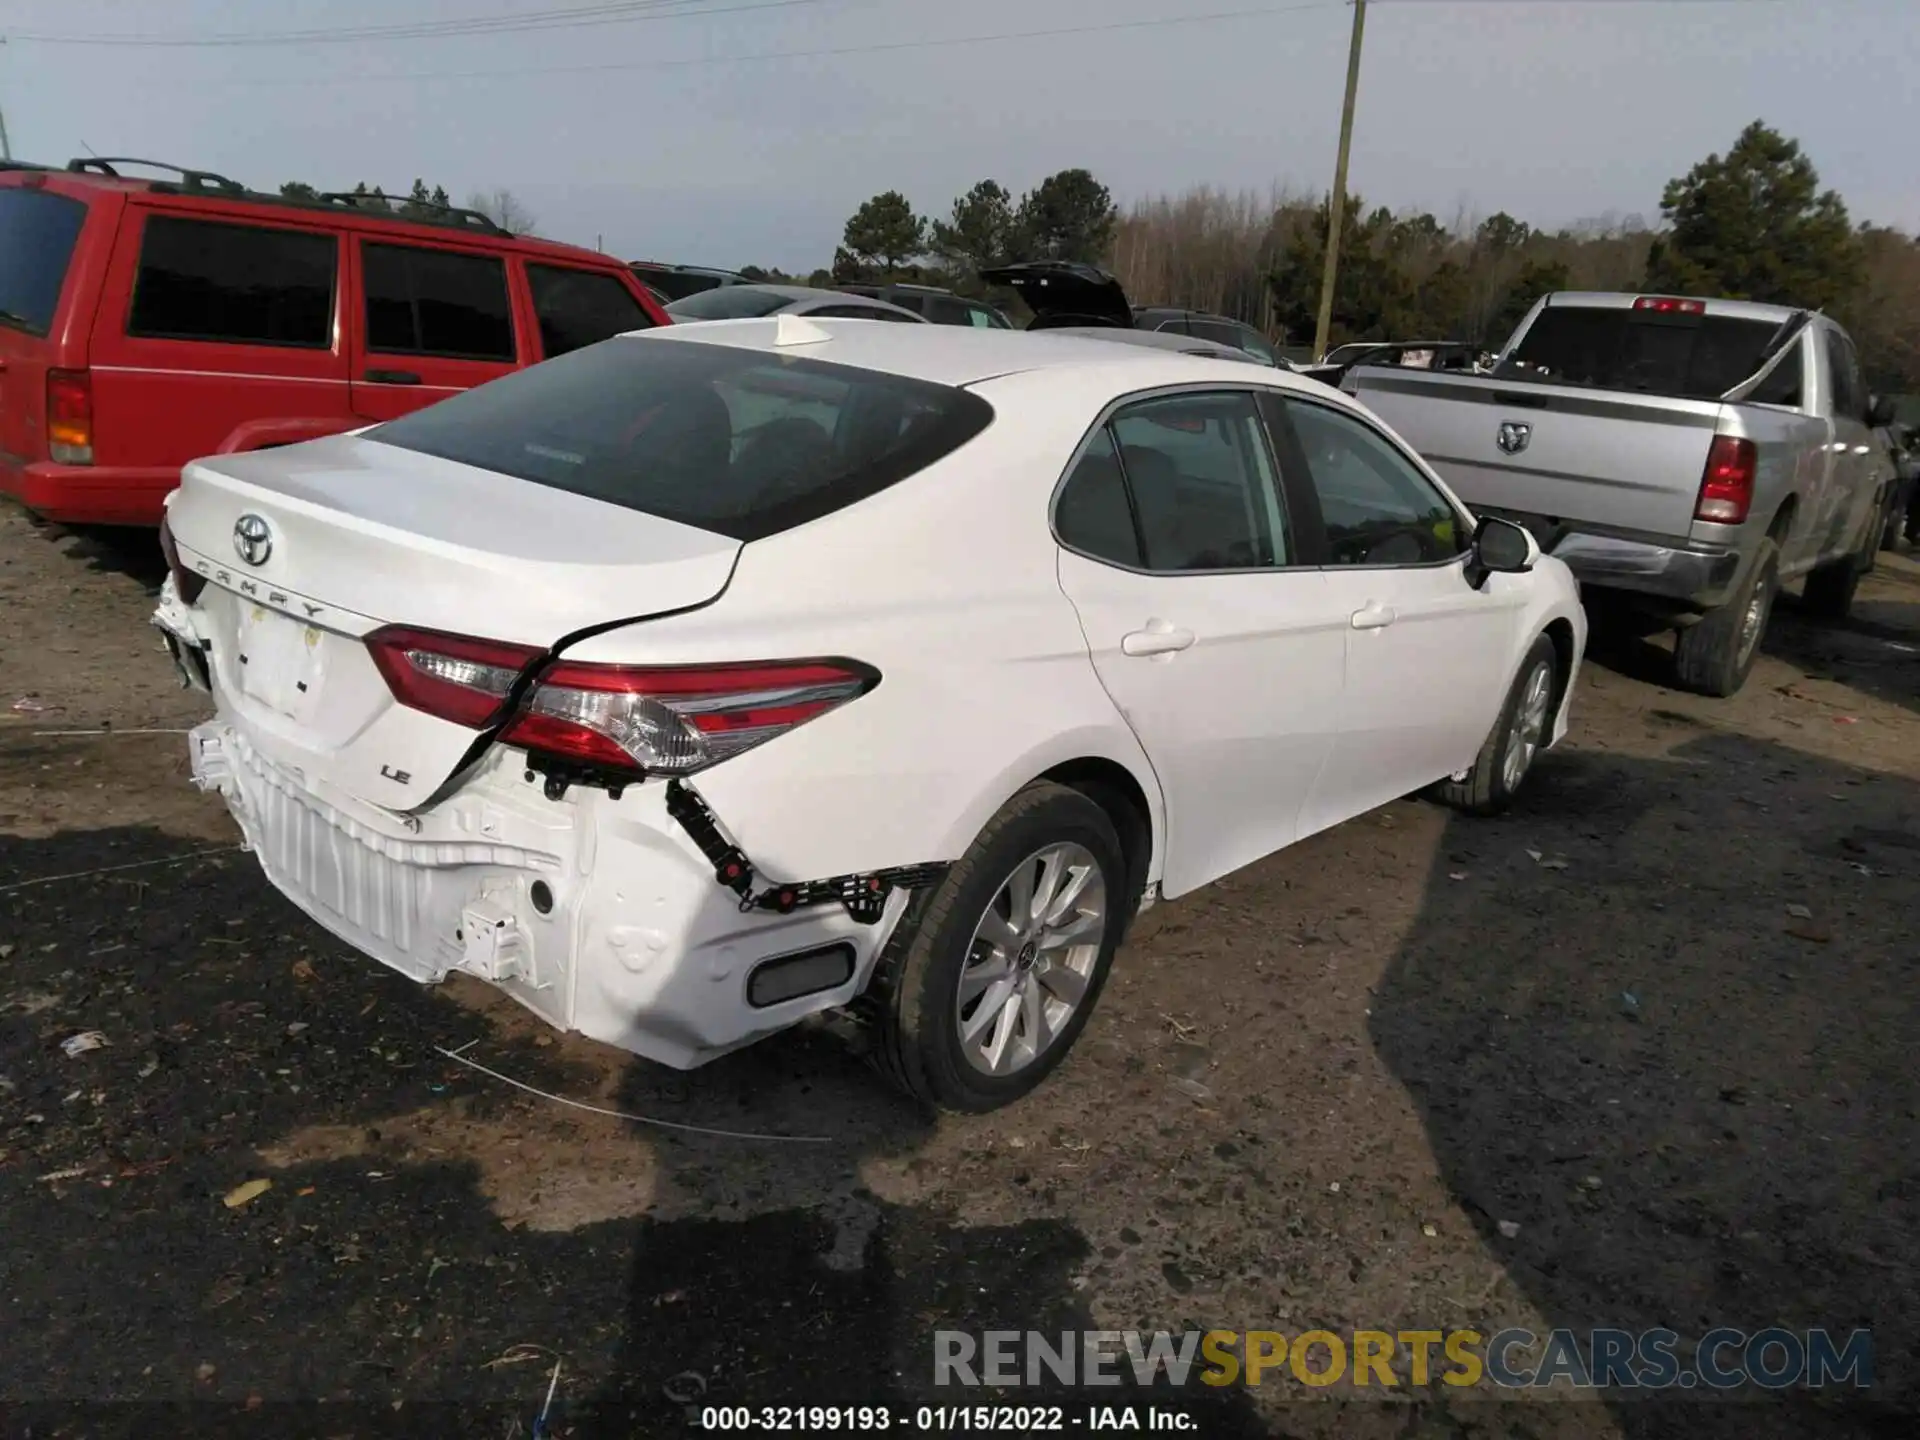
<point x="865" y="895"/>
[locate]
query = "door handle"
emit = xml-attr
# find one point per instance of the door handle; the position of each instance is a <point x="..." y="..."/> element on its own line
<point x="1373" y="617"/>
<point x="393" y="377"/>
<point x="1159" y="638"/>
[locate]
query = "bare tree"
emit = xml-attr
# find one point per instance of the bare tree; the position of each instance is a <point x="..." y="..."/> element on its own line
<point x="504" y="208"/>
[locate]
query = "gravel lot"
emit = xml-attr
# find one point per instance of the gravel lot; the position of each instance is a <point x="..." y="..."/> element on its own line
<point x="1311" y="1097"/>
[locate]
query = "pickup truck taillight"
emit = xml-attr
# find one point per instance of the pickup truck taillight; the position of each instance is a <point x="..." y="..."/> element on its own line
<point x="69" y="417"/>
<point x="1726" y="490"/>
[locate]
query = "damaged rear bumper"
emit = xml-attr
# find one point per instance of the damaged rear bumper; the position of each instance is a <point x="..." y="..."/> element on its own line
<point x="599" y="915"/>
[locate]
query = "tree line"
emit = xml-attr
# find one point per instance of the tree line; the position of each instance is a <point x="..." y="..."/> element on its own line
<point x="1753" y="223"/>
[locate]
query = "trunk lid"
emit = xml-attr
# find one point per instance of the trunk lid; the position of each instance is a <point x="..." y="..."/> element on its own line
<point x="1061" y="292"/>
<point x="1621" y="462"/>
<point x="39" y="231"/>
<point x="310" y="548"/>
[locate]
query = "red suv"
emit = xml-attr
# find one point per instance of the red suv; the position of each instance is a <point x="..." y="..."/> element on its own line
<point x="144" y="323"/>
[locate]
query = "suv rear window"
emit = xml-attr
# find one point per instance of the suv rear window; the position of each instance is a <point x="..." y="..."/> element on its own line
<point x="37" y="234"/>
<point x="1688" y="357"/>
<point x="241" y="284"/>
<point x="579" y="307"/>
<point x="739" y="442"/>
<point x="729" y="302"/>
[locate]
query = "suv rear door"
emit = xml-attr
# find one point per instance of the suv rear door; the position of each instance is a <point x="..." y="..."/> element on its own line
<point x="39" y="232"/>
<point x="207" y="322"/>
<point x="427" y="321"/>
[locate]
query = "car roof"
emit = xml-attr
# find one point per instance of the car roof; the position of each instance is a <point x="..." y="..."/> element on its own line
<point x="216" y="194"/>
<point x="961" y="355"/>
<point x="1155" y="339"/>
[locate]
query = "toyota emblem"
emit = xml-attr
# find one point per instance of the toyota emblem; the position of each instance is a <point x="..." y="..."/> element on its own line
<point x="252" y="539"/>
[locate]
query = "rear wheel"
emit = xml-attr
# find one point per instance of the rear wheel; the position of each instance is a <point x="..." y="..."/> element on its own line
<point x="1518" y="736"/>
<point x="991" y="975"/>
<point x="1715" y="654"/>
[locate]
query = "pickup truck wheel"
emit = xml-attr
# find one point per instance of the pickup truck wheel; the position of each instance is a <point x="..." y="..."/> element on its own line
<point x="1715" y="654"/>
<point x="991" y="975"/>
<point x="1830" y="588"/>
<point x="1521" y="732"/>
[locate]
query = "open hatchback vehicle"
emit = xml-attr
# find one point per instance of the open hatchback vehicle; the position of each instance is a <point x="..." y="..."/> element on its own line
<point x="707" y="678"/>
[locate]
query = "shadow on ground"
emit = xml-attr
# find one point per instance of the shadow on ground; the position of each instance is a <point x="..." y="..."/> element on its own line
<point x="382" y="1288"/>
<point x="1697" y="1105"/>
<point x="111" y="549"/>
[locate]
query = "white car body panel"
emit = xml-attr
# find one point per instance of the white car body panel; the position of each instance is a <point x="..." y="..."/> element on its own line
<point x="1001" y="659"/>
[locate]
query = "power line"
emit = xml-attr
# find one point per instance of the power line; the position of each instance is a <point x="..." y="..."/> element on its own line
<point x="828" y="52"/>
<point x="517" y="22"/>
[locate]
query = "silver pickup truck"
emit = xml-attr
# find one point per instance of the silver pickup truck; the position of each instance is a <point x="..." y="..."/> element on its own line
<point x="1684" y="457"/>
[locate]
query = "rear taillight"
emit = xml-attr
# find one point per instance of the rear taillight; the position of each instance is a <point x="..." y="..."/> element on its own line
<point x="453" y="677"/>
<point x="69" y="417"/>
<point x="674" y="720"/>
<point x="1668" y="305"/>
<point x="185" y="582"/>
<point x="1726" y="490"/>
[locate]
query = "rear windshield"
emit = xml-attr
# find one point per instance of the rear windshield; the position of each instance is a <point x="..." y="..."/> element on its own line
<point x="729" y="302"/>
<point x="739" y="442"/>
<point x="1689" y="357"/>
<point x="37" y="232"/>
<point x="678" y="284"/>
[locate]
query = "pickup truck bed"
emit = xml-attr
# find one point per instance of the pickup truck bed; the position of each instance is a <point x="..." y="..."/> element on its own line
<point x="1753" y="467"/>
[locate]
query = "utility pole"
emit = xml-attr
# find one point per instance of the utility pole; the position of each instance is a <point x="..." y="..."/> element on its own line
<point x="1337" y="202"/>
<point x="6" y="150"/>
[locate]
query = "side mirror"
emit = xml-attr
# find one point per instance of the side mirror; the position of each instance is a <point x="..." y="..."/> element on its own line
<point x="1500" y="547"/>
<point x="1879" y="412"/>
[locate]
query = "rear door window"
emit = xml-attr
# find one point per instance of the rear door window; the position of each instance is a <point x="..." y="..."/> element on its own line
<point x="436" y="302"/>
<point x="234" y="284"/>
<point x="579" y="307"/>
<point x="1203" y="483"/>
<point x="739" y="442"/>
<point x="37" y="235"/>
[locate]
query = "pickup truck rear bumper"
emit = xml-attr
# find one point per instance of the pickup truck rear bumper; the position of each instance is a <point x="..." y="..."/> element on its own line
<point x="1690" y="577"/>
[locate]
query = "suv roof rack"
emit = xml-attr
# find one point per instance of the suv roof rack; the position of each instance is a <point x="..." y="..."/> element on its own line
<point x="191" y="179"/>
<point x="208" y="182"/>
<point x="453" y="214"/>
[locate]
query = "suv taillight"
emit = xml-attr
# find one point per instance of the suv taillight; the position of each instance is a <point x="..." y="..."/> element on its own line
<point x="453" y="677"/>
<point x="1726" y="490"/>
<point x="675" y="720"/>
<point x="69" y="417"/>
<point x="1670" y="305"/>
<point x="185" y="582"/>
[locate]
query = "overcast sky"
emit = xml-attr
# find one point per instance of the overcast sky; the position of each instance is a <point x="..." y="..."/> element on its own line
<point x="653" y="135"/>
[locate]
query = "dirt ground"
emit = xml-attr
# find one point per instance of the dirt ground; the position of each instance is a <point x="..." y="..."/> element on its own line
<point x="1639" y="1054"/>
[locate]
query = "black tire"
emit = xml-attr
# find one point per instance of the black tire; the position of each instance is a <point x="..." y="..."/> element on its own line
<point x="1830" y="588"/>
<point x="913" y="1001"/>
<point x="1487" y="790"/>
<point x="1715" y="654"/>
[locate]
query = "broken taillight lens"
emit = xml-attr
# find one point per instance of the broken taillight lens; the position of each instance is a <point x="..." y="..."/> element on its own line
<point x="185" y="583"/>
<point x="1726" y="489"/>
<point x="675" y="720"/>
<point x="454" y="677"/>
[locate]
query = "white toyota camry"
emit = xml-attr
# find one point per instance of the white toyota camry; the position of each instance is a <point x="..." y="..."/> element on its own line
<point x="706" y="678"/>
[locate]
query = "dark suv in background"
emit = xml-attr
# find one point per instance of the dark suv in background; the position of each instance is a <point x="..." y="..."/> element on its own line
<point x="1069" y="294"/>
<point x="930" y="302"/>
<point x="676" y="282"/>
